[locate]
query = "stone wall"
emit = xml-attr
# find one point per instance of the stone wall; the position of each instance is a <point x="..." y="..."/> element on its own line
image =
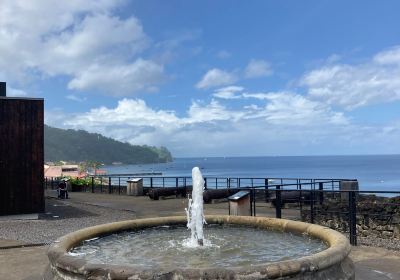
<point x="376" y="216"/>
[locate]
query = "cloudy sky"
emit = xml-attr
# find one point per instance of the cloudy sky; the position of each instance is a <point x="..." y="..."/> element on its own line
<point x="212" y="78"/>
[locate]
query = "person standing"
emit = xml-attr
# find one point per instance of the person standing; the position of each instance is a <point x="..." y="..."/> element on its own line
<point x="62" y="190"/>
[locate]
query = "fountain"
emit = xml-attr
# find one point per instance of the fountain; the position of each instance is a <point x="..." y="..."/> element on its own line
<point x="233" y="247"/>
<point x="195" y="215"/>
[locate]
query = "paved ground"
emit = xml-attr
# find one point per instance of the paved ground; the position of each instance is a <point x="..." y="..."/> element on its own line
<point x="84" y="209"/>
<point x="376" y="263"/>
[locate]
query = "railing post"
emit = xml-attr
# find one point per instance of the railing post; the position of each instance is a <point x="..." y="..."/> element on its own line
<point x="301" y="197"/>
<point x="52" y="183"/>
<point x="312" y="206"/>
<point x="205" y="183"/>
<point x="238" y="182"/>
<point x="321" y="193"/>
<point x="278" y="202"/>
<point x="266" y="190"/>
<point x="151" y="182"/>
<point x="92" y="184"/>
<point x="101" y="184"/>
<point x="176" y="182"/>
<point x="109" y="185"/>
<point x="254" y="202"/>
<point x="353" y="217"/>
<point x="119" y="185"/>
<point x="251" y="202"/>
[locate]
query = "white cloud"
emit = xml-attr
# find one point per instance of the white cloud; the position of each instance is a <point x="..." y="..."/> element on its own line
<point x="13" y="92"/>
<point x="352" y="86"/>
<point x="216" y="77"/>
<point x="294" y="109"/>
<point x="390" y="56"/>
<point x="228" y="92"/>
<point x="257" y="68"/>
<point x="258" y="95"/>
<point x="223" y="54"/>
<point x="120" y="80"/>
<point x="215" y="129"/>
<point x="75" y="98"/>
<point x="79" y="39"/>
<point x="211" y="112"/>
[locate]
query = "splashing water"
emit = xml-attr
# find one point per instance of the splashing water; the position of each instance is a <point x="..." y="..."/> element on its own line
<point x="194" y="212"/>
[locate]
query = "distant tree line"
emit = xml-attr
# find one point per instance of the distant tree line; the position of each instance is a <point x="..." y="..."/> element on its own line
<point x="80" y="146"/>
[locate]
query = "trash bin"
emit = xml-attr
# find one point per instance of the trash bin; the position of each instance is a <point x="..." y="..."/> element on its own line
<point x="347" y="186"/>
<point x="239" y="204"/>
<point x="135" y="187"/>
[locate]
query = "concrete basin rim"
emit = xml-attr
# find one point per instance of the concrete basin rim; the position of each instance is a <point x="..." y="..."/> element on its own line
<point x="338" y="249"/>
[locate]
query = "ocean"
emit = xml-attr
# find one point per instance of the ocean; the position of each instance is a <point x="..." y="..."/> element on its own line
<point x="376" y="172"/>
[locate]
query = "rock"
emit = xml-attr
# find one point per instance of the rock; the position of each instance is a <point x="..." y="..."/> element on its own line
<point x="387" y="234"/>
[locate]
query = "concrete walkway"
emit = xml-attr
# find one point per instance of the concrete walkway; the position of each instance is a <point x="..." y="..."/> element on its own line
<point x="29" y="263"/>
<point x="376" y="263"/>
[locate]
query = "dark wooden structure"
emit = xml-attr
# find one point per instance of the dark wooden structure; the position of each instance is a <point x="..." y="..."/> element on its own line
<point x="21" y="155"/>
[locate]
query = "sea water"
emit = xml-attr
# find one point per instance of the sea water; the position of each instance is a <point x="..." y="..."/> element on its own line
<point x="377" y="172"/>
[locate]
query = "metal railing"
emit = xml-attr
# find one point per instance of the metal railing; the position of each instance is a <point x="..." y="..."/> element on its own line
<point x="347" y="206"/>
<point x="314" y="199"/>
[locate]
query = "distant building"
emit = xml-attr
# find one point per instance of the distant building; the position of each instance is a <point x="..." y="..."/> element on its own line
<point x="66" y="170"/>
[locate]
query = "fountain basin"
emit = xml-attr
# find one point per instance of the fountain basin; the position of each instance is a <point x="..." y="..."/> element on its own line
<point x="332" y="263"/>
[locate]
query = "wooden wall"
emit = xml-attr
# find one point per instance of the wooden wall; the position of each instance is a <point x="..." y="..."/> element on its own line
<point x="21" y="156"/>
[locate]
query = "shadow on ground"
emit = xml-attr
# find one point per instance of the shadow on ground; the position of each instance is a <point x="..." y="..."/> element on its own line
<point x="57" y="209"/>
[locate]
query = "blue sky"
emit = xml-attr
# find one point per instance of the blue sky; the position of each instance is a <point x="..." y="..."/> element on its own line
<point x="212" y="78"/>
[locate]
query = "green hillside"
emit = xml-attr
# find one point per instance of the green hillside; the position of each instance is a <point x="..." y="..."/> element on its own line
<point x="79" y="145"/>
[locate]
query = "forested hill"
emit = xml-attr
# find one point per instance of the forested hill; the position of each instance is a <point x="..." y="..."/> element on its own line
<point x="79" y="145"/>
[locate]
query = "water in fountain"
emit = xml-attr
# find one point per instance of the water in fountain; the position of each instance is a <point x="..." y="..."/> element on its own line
<point x="195" y="215"/>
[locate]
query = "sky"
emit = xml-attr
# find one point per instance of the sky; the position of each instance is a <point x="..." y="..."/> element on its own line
<point x="212" y="78"/>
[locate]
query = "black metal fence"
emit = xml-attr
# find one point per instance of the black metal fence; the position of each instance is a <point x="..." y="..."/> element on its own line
<point x="320" y="201"/>
<point x="118" y="183"/>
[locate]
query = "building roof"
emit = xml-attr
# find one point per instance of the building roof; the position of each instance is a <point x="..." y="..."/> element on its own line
<point x="62" y="170"/>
